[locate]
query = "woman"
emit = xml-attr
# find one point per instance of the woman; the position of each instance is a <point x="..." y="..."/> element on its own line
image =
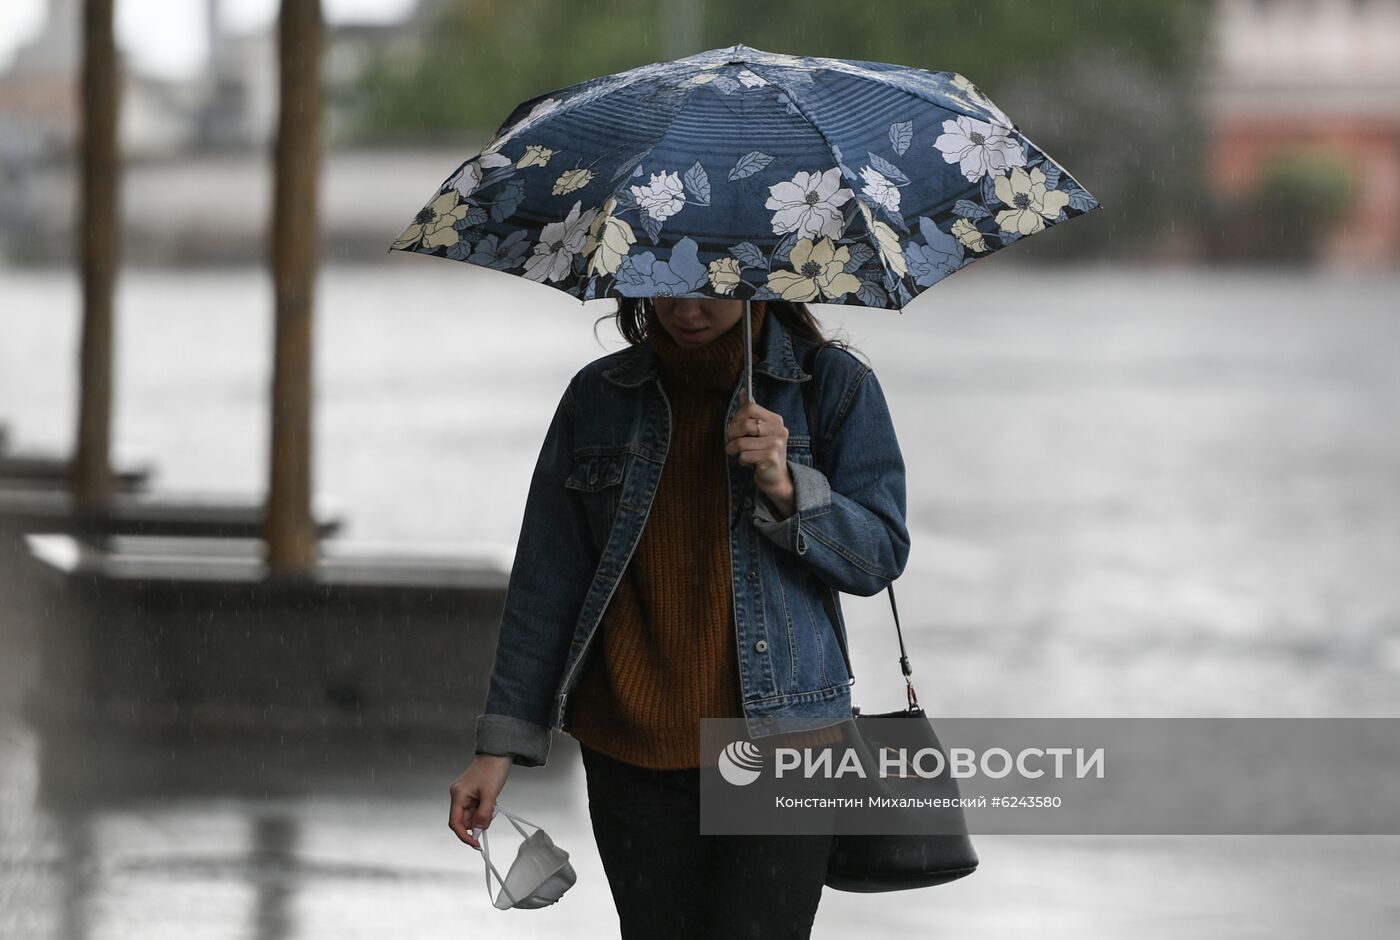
<point x="695" y="534"/>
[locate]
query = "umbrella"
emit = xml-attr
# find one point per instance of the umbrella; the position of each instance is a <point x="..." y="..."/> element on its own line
<point x="749" y="175"/>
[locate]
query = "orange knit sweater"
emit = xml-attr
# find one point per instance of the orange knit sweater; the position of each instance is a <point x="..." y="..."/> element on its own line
<point x="665" y="654"/>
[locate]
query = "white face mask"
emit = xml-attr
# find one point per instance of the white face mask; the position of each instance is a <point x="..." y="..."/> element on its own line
<point x="538" y="877"/>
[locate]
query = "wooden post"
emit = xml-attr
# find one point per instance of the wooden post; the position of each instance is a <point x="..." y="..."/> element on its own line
<point x="98" y="227"/>
<point x="290" y="530"/>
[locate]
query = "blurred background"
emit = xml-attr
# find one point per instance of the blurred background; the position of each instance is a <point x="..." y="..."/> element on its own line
<point x="1149" y="470"/>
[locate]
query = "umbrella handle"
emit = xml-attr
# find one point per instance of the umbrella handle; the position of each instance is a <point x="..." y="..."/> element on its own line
<point x="748" y="351"/>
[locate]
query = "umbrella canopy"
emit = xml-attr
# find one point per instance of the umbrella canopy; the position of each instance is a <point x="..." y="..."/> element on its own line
<point x="744" y="174"/>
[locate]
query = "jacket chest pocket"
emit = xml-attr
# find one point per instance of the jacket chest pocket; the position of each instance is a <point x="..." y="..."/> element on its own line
<point x="597" y="478"/>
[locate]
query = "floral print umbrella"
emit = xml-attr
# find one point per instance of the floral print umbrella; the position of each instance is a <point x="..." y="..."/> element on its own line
<point x="751" y="175"/>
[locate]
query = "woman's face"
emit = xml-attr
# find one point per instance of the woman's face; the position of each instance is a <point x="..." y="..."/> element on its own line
<point x="695" y="321"/>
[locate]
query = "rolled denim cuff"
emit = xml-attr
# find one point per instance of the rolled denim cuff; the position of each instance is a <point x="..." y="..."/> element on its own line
<point x="525" y="742"/>
<point x="811" y="492"/>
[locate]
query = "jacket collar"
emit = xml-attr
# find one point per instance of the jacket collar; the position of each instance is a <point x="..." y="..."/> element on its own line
<point x="773" y="355"/>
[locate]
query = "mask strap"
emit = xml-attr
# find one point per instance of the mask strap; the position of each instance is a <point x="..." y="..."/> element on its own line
<point x="486" y="854"/>
<point x="491" y="870"/>
<point x="513" y="817"/>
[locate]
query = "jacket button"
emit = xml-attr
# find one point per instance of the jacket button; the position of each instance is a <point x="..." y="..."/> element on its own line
<point x="753" y="574"/>
<point x="767" y="719"/>
<point x="761" y="646"/>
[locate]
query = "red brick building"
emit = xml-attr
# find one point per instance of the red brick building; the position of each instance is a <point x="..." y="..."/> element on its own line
<point x="1320" y="77"/>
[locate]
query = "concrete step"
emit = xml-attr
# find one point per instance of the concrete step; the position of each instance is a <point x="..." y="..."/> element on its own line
<point x="164" y="513"/>
<point x="180" y="633"/>
<point x="40" y="469"/>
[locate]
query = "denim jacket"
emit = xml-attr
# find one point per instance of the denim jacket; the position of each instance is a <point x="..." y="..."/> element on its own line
<point x="589" y="499"/>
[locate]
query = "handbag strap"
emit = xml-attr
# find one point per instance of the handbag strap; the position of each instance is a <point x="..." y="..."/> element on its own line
<point x="814" y="432"/>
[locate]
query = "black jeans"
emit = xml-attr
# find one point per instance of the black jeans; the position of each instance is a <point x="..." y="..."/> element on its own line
<point x="670" y="882"/>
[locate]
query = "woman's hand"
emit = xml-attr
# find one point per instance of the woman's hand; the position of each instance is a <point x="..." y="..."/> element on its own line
<point x="474" y="796"/>
<point x="765" y="451"/>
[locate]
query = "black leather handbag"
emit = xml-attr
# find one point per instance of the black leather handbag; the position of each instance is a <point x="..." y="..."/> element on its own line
<point x="870" y="862"/>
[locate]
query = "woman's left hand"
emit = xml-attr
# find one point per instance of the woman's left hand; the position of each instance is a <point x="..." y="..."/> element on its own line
<point x="759" y="438"/>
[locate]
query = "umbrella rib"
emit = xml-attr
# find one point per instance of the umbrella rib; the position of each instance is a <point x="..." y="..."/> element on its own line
<point x="919" y="96"/>
<point x="893" y="83"/>
<point x="612" y="194"/>
<point x="562" y="285"/>
<point x="622" y="80"/>
<point x="596" y="93"/>
<point x="855" y="194"/>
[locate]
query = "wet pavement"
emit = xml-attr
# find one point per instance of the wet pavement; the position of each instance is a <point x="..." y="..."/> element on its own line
<point x="365" y="852"/>
<point x="1132" y="492"/>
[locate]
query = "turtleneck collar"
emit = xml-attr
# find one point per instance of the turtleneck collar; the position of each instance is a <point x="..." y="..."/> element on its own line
<point x="714" y="366"/>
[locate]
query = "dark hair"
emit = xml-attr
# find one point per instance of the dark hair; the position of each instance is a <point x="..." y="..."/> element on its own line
<point x="631" y="321"/>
